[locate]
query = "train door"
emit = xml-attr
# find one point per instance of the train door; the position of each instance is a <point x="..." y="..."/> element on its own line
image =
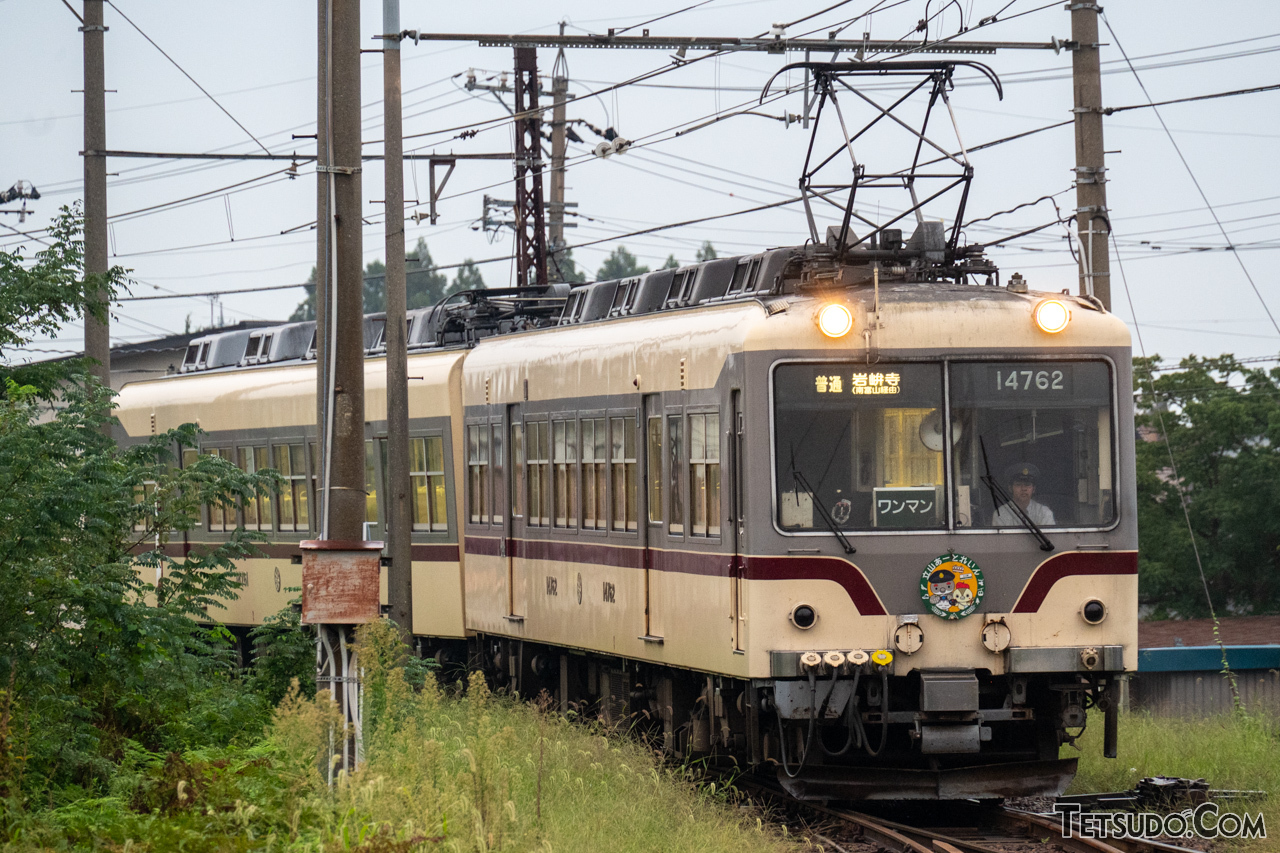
<point x="737" y="587"/>
<point x="513" y="515"/>
<point x="652" y="528"/>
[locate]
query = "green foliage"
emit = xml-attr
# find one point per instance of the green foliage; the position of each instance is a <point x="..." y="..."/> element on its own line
<point x="474" y="771"/>
<point x="1222" y="421"/>
<point x="706" y="252"/>
<point x="106" y="646"/>
<point x="1232" y="751"/>
<point x="39" y="296"/>
<point x="468" y="277"/>
<point x="671" y="263"/>
<point x="619" y="264"/>
<point x="284" y="655"/>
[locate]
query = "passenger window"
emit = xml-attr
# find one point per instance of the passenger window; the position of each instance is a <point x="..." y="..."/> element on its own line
<point x="653" y="457"/>
<point x="477" y="473"/>
<point x="539" y="470"/>
<point x="564" y="456"/>
<point x="675" y="500"/>
<point x="622" y="456"/>
<point x="595" y="488"/>
<point x="704" y="474"/>
<point x="292" y="506"/>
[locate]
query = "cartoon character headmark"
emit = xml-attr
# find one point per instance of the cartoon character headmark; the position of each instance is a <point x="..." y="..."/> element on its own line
<point x="952" y="586"/>
<point x="942" y="584"/>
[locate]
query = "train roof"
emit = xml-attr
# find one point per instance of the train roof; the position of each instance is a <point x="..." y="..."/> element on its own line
<point x="906" y="272"/>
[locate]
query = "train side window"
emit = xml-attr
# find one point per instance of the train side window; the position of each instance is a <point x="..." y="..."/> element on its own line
<point x="478" y="473"/>
<point x="370" y="482"/>
<point x="517" y="470"/>
<point x="681" y="287"/>
<point x="564" y="458"/>
<point x="203" y="358"/>
<point x="426" y="479"/>
<point x="264" y="349"/>
<point x="222" y="517"/>
<point x="753" y="275"/>
<point x="498" y="469"/>
<point x="739" y="280"/>
<point x="704" y="474"/>
<point x="538" y="466"/>
<point x="257" y="509"/>
<point x="595" y="488"/>
<point x="675" y="499"/>
<point x="189" y="359"/>
<point x="251" y="349"/>
<point x="653" y="458"/>
<point x="622" y="457"/>
<point x="292" y="503"/>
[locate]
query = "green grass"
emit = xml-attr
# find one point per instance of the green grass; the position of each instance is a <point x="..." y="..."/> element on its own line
<point x="473" y="772"/>
<point x="1232" y="752"/>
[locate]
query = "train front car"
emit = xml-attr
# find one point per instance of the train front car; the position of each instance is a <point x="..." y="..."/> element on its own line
<point x="940" y="535"/>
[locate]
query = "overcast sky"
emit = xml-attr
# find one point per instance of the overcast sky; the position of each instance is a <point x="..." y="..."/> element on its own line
<point x="249" y="225"/>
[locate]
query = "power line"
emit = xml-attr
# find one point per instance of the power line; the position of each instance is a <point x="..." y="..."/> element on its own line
<point x="188" y="76"/>
<point x="1192" y="175"/>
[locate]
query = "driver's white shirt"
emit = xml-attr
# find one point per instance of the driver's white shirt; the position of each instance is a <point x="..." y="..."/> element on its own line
<point x="1039" y="514"/>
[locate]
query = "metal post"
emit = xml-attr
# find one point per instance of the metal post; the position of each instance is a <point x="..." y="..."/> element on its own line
<point x="324" y="254"/>
<point x="97" y="332"/>
<point x="531" y="238"/>
<point x="345" y="504"/>
<point x="397" y="486"/>
<point x="1092" y="218"/>
<point x="559" y="142"/>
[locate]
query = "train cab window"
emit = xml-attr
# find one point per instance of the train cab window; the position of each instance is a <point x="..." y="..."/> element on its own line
<point x="622" y="458"/>
<point x="1045" y="427"/>
<point x="704" y="475"/>
<point x="426" y="480"/>
<point x="595" y="474"/>
<point x="370" y="482"/>
<point x="291" y="505"/>
<point x="653" y="460"/>
<point x="478" y="473"/>
<point x="675" y="461"/>
<point x="857" y="441"/>
<point x="257" y="509"/>
<point x="564" y="460"/>
<point x="538" y="466"/>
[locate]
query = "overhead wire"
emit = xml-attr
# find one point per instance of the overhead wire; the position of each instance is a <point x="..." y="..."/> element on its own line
<point x="1191" y="173"/>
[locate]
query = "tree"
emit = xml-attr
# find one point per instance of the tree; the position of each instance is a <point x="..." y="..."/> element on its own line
<point x="1221" y="420"/>
<point x="96" y="658"/>
<point x="671" y="263"/>
<point x="707" y="252"/>
<point x="467" y="278"/>
<point x="563" y="268"/>
<point x="424" y="285"/>
<point x="620" y="264"/>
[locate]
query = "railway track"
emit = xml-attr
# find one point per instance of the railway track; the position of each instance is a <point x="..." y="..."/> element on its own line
<point x="958" y="827"/>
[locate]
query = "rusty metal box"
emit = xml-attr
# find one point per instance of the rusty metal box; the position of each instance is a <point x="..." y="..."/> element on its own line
<point x="340" y="581"/>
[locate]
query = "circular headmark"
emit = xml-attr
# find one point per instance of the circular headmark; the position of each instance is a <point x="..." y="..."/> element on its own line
<point x="952" y="586"/>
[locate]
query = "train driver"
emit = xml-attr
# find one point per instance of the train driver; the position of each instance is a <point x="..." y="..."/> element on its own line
<point x="1022" y="486"/>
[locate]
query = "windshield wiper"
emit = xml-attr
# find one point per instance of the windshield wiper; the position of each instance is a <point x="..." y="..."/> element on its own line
<point x="822" y="511"/>
<point x="1002" y="499"/>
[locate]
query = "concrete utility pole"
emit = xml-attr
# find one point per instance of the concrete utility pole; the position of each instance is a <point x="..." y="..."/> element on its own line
<point x="555" y="212"/>
<point x="345" y="499"/>
<point x="97" y="332"/>
<point x="397" y="487"/>
<point x="1092" y="216"/>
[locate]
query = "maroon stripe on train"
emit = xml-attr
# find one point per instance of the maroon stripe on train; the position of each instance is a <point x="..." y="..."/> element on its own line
<point x="427" y="553"/>
<point x="835" y="569"/>
<point x="1072" y="563"/>
<point x="485" y="546"/>
<point x="436" y="553"/>
<point x="597" y="553"/>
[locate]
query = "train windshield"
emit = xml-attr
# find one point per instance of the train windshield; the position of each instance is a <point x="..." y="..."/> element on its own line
<point x="864" y="446"/>
<point x="1034" y="436"/>
<point x="849" y="445"/>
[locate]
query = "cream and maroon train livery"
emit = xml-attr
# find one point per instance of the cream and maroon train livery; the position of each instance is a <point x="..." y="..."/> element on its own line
<point x="874" y="531"/>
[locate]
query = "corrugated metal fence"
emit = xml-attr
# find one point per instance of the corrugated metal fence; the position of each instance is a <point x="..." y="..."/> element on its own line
<point x="1187" y="681"/>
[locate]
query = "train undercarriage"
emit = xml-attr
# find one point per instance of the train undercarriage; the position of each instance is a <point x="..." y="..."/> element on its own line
<point x="844" y="730"/>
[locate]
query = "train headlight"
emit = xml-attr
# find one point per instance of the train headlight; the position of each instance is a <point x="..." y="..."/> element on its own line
<point x="803" y="616"/>
<point x="1094" y="611"/>
<point x="835" y="320"/>
<point x="1051" y="315"/>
